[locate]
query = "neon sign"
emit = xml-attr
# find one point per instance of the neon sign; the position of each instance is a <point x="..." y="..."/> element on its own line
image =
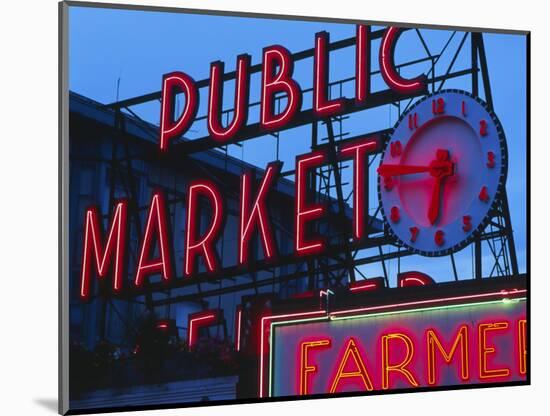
<point x="299" y="275"/>
<point x="277" y="72"/>
<point x="205" y="198"/>
<point x="424" y="346"/>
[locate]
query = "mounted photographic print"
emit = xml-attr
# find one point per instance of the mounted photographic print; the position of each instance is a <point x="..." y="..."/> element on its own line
<point x="260" y="207"/>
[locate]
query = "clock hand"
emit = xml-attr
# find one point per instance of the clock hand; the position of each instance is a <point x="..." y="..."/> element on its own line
<point x="433" y="210"/>
<point x="439" y="169"/>
<point x="394" y="170"/>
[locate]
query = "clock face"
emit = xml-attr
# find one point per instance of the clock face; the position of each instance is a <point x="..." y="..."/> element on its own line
<point x="441" y="172"/>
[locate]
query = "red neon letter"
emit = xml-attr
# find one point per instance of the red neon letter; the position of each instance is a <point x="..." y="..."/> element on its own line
<point x="414" y="278"/>
<point x="250" y="218"/>
<point x="238" y="323"/>
<point x="156" y="223"/>
<point x="433" y="341"/>
<point x="322" y="105"/>
<point x="305" y="367"/>
<point x="362" y="64"/>
<point x="204" y="245"/>
<point x="358" y="152"/>
<point x="197" y="321"/>
<point x="305" y="213"/>
<point x="522" y="347"/>
<point x="361" y="369"/>
<point x="215" y="99"/>
<point x="484" y="351"/>
<point x="400" y="367"/>
<point x="275" y="82"/>
<point x="172" y="84"/>
<point x="374" y="283"/>
<point x="116" y="242"/>
<point x="387" y="66"/>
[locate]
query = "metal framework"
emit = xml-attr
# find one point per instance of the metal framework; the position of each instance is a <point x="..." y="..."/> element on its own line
<point x="343" y="260"/>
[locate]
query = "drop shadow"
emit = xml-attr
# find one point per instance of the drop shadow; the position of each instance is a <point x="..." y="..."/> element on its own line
<point x="49" y="404"/>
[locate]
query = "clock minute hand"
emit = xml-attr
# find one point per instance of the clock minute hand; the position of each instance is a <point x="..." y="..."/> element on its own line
<point x="394" y="170"/>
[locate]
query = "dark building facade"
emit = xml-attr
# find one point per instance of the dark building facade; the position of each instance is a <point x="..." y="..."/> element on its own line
<point x="112" y="156"/>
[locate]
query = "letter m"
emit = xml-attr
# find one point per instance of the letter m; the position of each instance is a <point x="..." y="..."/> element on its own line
<point x="101" y="255"/>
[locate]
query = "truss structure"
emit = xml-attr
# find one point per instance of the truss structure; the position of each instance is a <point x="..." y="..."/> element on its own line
<point x="492" y="254"/>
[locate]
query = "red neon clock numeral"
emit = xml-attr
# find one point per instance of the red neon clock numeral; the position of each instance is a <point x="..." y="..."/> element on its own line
<point x="491" y="160"/>
<point x="396" y="148"/>
<point x="414" y="233"/>
<point x="438" y="106"/>
<point x="388" y="183"/>
<point x="467" y="223"/>
<point x="394" y="214"/>
<point x="413" y="121"/>
<point x="484" y="194"/>
<point x="463" y="108"/>
<point x="483" y="128"/>
<point x="439" y="237"/>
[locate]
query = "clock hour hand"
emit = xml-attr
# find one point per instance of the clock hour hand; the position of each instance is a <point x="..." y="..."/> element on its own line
<point x="433" y="210"/>
<point x="440" y="169"/>
<point x="394" y="170"/>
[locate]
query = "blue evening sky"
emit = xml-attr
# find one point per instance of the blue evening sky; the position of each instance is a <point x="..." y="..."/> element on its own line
<point x="138" y="47"/>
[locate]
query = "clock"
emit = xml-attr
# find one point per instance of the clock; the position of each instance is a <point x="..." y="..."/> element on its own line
<point x="442" y="172"/>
